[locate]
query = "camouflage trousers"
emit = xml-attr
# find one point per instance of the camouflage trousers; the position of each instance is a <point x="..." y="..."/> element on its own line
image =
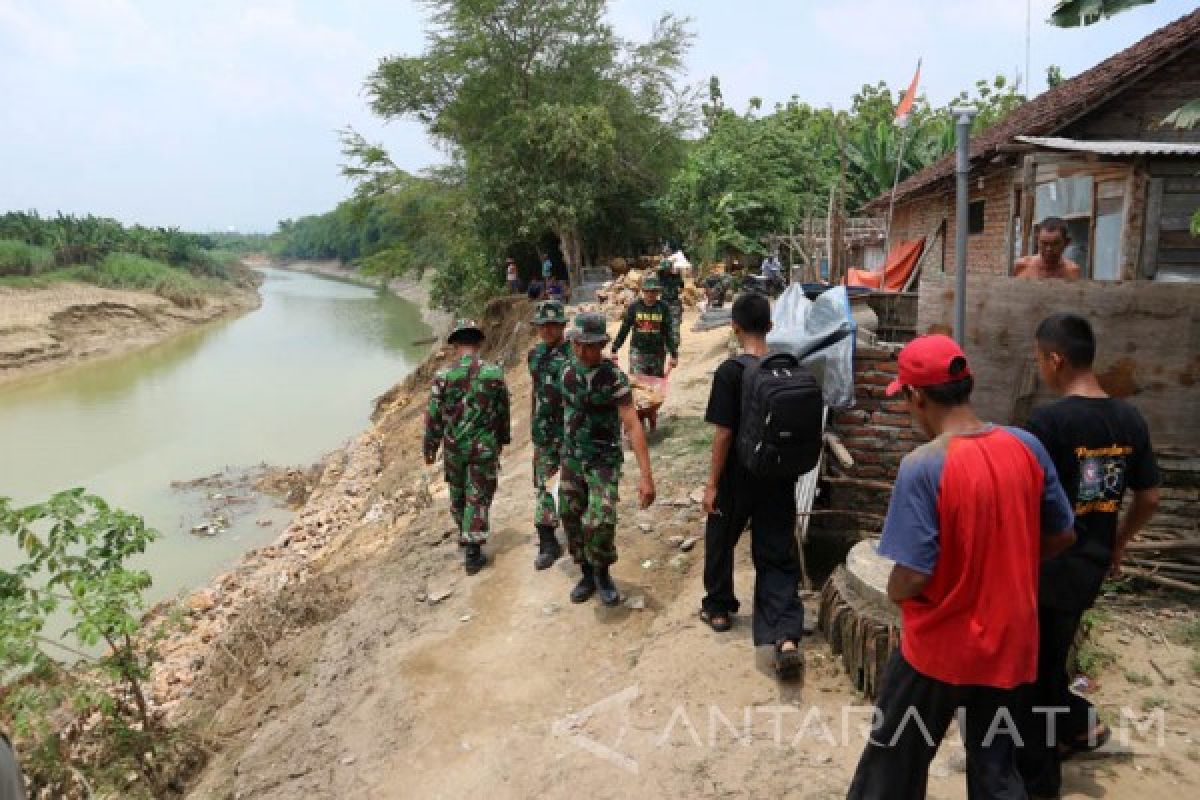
<point x="676" y="307"/>
<point x="642" y="363"/>
<point x="546" y="461"/>
<point x="472" y="483"/>
<point x="587" y="502"/>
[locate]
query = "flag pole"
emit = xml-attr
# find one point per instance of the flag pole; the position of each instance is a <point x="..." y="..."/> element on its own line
<point x="887" y="242"/>
<point x="904" y="111"/>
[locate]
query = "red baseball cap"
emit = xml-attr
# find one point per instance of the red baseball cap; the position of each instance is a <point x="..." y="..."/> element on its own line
<point x="926" y="361"/>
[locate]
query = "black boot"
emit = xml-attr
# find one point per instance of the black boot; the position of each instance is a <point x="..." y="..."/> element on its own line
<point x="586" y="586"/>
<point x="549" y="550"/>
<point x="474" y="560"/>
<point x="608" y="590"/>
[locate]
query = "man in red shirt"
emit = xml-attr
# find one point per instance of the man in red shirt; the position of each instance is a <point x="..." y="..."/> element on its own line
<point x="971" y="513"/>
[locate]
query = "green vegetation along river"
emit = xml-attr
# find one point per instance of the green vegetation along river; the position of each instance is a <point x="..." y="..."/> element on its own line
<point x="282" y="385"/>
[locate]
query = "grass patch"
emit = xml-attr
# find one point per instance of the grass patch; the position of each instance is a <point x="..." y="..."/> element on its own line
<point x="1188" y="633"/>
<point x="1153" y="701"/>
<point x="1138" y="678"/>
<point x="1092" y="658"/>
<point x="45" y="279"/>
<point x="127" y="271"/>
<point x="20" y="259"/>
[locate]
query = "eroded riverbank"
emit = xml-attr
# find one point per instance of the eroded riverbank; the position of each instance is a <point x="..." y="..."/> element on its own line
<point x="42" y="330"/>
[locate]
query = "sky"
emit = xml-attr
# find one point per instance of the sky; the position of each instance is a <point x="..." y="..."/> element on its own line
<point x="223" y="114"/>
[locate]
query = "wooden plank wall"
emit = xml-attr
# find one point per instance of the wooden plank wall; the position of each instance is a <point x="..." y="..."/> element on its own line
<point x="1148" y="344"/>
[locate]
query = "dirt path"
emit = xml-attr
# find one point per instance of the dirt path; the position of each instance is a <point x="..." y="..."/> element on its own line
<point x="416" y="681"/>
<point x="43" y="329"/>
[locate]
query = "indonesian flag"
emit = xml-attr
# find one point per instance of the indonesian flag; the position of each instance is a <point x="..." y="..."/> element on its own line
<point x="905" y="106"/>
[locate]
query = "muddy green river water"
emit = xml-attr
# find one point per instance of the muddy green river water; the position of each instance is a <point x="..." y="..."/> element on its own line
<point x="281" y="385"/>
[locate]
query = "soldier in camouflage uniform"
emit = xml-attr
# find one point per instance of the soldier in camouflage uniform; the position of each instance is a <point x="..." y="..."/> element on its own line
<point x="546" y="361"/>
<point x="468" y="417"/>
<point x="597" y="401"/>
<point x="654" y="333"/>
<point x="672" y="294"/>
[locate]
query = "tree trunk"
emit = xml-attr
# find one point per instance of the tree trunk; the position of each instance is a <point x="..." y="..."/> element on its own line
<point x="572" y="247"/>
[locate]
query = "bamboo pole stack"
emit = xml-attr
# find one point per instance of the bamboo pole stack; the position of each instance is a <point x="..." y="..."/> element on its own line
<point x="1167" y="552"/>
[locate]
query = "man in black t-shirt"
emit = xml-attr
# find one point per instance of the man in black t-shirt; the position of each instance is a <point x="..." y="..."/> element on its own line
<point x="1100" y="446"/>
<point x="732" y="499"/>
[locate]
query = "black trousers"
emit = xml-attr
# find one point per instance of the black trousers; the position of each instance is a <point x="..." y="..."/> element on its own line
<point x="895" y="762"/>
<point x="1039" y="761"/>
<point x="770" y="510"/>
<point x="12" y="786"/>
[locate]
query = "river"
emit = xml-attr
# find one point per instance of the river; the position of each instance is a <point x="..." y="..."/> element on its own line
<point x="282" y="385"/>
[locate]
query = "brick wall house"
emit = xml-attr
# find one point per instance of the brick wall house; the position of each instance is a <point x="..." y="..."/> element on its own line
<point x="1093" y="151"/>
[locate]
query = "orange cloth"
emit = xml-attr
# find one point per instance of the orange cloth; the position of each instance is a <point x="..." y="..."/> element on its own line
<point x="896" y="270"/>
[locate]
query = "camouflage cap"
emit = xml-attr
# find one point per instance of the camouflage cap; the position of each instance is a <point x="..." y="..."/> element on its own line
<point x="651" y="283"/>
<point x="590" y="329"/>
<point x="550" y="311"/>
<point x="464" y="326"/>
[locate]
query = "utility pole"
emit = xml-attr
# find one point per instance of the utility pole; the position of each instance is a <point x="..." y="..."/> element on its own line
<point x="962" y="172"/>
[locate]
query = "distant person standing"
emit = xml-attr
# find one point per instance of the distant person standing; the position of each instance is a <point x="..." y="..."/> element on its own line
<point x="547" y="270"/>
<point x="468" y="417"/>
<point x="1101" y="447"/>
<point x="971" y="513"/>
<point x="597" y="403"/>
<point x="546" y="363"/>
<point x="512" y="276"/>
<point x="12" y="785"/>
<point x="672" y="294"/>
<point x="653" y="330"/>
<point x="1049" y="261"/>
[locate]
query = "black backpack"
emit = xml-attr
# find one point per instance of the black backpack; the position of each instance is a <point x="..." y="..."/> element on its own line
<point x="779" y="430"/>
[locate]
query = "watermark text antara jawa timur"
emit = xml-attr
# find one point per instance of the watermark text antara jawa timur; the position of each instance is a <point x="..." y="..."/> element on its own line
<point x="614" y="731"/>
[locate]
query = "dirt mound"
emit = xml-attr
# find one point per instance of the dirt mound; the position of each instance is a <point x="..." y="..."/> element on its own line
<point x="508" y="337"/>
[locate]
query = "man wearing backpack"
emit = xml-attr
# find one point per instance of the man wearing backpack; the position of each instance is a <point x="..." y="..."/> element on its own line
<point x="735" y="497"/>
<point x="468" y="416"/>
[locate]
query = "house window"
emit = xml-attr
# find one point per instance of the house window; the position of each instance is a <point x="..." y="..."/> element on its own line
<point x="975" y="217"/>
<point x="1094" y="211"/>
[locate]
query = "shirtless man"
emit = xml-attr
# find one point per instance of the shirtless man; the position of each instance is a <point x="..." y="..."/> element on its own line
<point x="1048" y="262"/>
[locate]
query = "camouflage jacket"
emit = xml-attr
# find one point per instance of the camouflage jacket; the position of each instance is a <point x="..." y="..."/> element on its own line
<point x="653" y="328"/>
<point x="468" y="410"/>
<point x="545" y="369"/>
<point x="591" y="424"/>
<point x="672" y="285"/>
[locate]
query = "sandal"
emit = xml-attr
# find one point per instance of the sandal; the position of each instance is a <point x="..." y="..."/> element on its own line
<point x="719" y="621"/>
<point x="1085" y="743"/>
<point x="788" y="663"/>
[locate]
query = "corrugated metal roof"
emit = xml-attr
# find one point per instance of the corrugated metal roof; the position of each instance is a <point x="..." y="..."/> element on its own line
<point x="1114" y="147"/>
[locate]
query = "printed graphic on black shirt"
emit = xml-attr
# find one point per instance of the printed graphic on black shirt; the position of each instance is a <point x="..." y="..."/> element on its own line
<point x="1101" y="478"/>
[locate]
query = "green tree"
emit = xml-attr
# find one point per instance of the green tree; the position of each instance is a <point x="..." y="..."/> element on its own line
<point x="556" y="122"/>
<point x="76" y="560"/>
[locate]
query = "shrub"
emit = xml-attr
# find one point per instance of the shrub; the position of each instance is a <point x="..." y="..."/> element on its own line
<point x="18" y="258"/>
